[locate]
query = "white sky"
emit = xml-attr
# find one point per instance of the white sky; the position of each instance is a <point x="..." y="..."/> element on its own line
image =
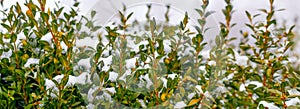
<point x="107" y="8"/>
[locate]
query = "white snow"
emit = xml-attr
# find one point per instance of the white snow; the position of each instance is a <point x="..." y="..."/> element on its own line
<point x="293" y="102"/>
<point x="112" y="90"/>
<point x="294" y="92"/>
<point x="149" y="82"/>
<point x="113" y="76"/>
<point x="47" y="37"/>
<point x="205" y="54"/>
<point x="123" y="77"/>
<point x="87" y="41"/>
<point x="212" y="63"/>
<point x="58" y="78"/>
<point x="84" y="62"/>
<point x="6" y="54"/>
<point x="107" y="61"/>
<point x="50" y="84"/>
<point x="164" y="80"/>
<point x="90" y="97"/>
<point x="172" y="76"/>
<point x="167" y="47"/>
<point x="83" y="78"/>
<point x="202" y="68"/>
<point x="136" y="47"/>
<point x="90" y="106"/>
<point x="268" y="105"/>
<point x="280" y="50"/>
<point x="31" y="61"/>
<point x="130" y="63"/>
<point x="64" y="46"/>
<point x="242" y="60"/>
<point x="191" y="95"/>
<point x="198" y="87"/>
<point x="180" y="105"/>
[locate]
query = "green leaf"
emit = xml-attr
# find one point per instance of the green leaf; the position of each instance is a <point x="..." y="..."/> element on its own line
<point x="181" y="26"/>
<point x="93" y="13"/>
<point x="29" y="106"/>
<point x="57" y="13"/>
<point x="217" y="41"/>
<point x="64" y="62"/>
<point x="289" y="45"/>
<point x="122" y="17"/>
<point x="254" y="77"/>
<point x="45" y="16"/>
<point x="16" y="22"/>
<point x="153" y="25"/>
<point x="97" y="56"/>
<point x="261" y="106"/>
<point x="272" y="22"/>
<point x="89" y="24"/>
<point x="95" y="28"/>
<point x="273" y="98"/>
<point x="6" y="26"/>
<point x="160" y="49"/>
<point x="64" y="80"/>
<point x="201" y="22"/>
<point x="121" y="82"/>
<point x="185" y="19"/>
<point x="10" y="16"/>
<point x="65" y="40"/>
<point x="20" y="72"/>
<point x="209" y="13"/>
<point x="76" y="4"/>
<point x="251" y="86"/>
<point x="248" y="15"/>
<point x="96" y="79"/>
<point x="13" y="38"/>
<point x="263" y="10"/>
<point x="76" y="104"/>
<point x="129" y="15"/>
<point x="274" y="91"/>
<point x="200" y="12"/>
<point x="67" y="16"/>
<point x="1" y="2"/>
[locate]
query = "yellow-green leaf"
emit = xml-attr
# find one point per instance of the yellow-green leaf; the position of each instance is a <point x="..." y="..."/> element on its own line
<point x="163" y="96"/>
<point x="193" y="102"/>
<point x="185" y="20"/>
<point x="269" y="72"/>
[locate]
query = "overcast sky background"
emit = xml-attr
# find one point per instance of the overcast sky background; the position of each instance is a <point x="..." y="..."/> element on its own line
<point x="107" y="8"/>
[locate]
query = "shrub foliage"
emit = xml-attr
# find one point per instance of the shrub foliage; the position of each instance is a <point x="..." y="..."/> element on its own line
<point x="132" y="67"/>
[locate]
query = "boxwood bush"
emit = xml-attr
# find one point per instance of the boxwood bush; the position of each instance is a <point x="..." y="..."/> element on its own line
<point x="150" y="64"/>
